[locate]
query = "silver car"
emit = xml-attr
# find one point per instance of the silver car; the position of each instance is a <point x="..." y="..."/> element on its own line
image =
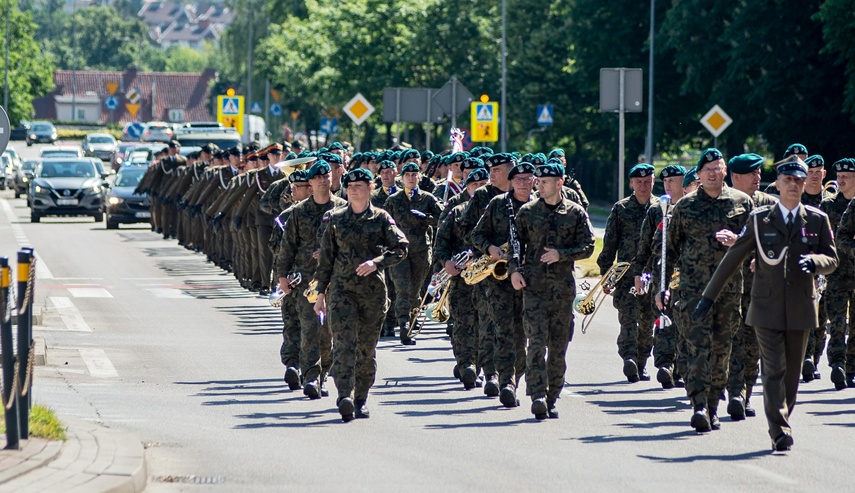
<point x="99" y="145"/>
<point x="157" y="132"/>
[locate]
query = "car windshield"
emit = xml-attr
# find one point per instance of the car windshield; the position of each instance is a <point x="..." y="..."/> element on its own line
<point x="41" y="128"/>
<point x="101" y="140"/>
<point x="130" y="177"/>
<point x="68" y="169"/>
<point x="59" y="153"/>
<point x="29" y="165"/>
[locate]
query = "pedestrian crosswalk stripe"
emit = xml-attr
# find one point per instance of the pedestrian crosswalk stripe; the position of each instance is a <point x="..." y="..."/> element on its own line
<point x="89" y="293"/>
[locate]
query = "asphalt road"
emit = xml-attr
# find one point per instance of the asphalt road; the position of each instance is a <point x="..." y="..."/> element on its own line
<point x="147" y="337"/>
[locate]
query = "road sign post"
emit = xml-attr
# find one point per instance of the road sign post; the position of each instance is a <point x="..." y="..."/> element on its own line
<point x="716" y="121"/>
<point x="621" y="92"/>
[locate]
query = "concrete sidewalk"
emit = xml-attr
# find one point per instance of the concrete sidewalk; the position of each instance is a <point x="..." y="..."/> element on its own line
<point x="93" y="459"/>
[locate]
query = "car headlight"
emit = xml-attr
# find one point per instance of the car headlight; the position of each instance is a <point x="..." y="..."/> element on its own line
<point x="32" y="136"/>
<point x="24" y="179"/>
<point x="96" y="189"/>
<point x="39" y="189"/>
<point x="115" y="200"/>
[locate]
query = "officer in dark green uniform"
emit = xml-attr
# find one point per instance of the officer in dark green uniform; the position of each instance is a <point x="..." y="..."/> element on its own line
<point x="359" y="242"/>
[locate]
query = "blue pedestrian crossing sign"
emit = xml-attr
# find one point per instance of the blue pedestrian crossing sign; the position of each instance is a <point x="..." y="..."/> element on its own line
<point x="275" y="109"/>
<point x="255" y="108"/>
<point x="111" y="103"/>
<point x="230" y="106"/>
<point x="484" y="112"/>
<point x="329" y="125"/>
<point x="544" y="114"/>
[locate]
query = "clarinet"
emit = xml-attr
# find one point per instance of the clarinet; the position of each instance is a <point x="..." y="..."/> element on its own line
<point x="513" y="237"/>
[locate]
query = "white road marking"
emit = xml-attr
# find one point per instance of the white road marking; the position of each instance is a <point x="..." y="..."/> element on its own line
<point x="70" y="315"/>
<point x="42" y="271"/>
<point x="168" y="293"/>
<point x="98" y="363"/>
<point x="89" y="292"/>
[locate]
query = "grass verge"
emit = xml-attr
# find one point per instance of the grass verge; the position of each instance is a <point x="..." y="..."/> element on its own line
<point x="43" y="424"/>
<point x="588" y="267"/>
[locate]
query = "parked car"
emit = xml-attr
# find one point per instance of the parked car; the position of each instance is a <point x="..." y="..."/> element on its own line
<point x="199" y="125"/>
<point x="7" y="166"/>
<point x="121" y="205"/>
<point x="66" y="187"/>
<point x="42" y="132"/>
<point x="225" y="138"/>
<point x="21" y="131"/>
<point x="23" y="176"/>
<point x="157" y="132"/>
<point x="15" y="156"/>
<point x="99" y="145"/>
<point x="61" y="151"/>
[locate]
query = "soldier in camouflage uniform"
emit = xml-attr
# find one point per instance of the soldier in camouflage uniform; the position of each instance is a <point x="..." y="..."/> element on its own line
<point x="360" y="241"/>
<point x="499" y="165"/>
<point x="381" y="193"/>
<point x="450" y="241"/>
<point x="646" y="262"/>
<point x="299" y="253"/>
<point x="415" y="212"/>
<point x="569" y="181"/>
<point x="553" y="232"/>
<point x="694" y="239"/>
<point x="505" y="305"/>
<point x="745" y="353"/>
<point x="621" y="239"/>
<point x="458" y="174"/>
<point x="839" y="296"/>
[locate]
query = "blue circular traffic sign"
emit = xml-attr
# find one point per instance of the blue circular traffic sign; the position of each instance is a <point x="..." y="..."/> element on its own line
<point x="275" y="109"/>
<point x="135" y="130"/>
<point x="111" y="103"/>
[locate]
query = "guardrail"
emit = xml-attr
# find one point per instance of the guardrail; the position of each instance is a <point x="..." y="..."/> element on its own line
<point x="17" y="368"/>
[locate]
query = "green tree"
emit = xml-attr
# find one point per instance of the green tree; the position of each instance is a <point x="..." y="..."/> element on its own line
<point x="839" y="34"/>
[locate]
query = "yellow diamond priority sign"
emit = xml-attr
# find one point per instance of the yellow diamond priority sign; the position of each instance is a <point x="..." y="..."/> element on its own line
<point x="716" y="121"/>
<point x="358" y="109"/>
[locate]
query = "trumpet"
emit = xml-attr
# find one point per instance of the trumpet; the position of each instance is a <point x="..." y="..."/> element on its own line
<point x="437" y="311"/>
<point x="311" y="293"/>
<point x="276" y="297"/>
<point x="486" y="266"/>
<point x="588" y="304"/>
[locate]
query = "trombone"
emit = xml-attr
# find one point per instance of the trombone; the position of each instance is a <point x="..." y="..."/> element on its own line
<point x="588" y="304"/>
<point x="437" y="289"/>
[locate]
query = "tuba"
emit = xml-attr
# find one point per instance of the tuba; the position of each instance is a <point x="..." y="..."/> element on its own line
<point x="486" y="266"/>
<point x="311" y="293"/>
<point x="588" y="304"/>
<point x="276" y="297"/>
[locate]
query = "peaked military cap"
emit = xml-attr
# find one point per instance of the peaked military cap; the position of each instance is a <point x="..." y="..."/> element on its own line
<point x="549" y="170"/>
<point x="174" y="144"/>
<point x="795" y="149"/>
<point x="641" y="170"/>
<point x="358" y="174"/>
<point x="410" y="168"/>
<point x="815" y="161"/>
<point x="210" y="147"/>
<point x="744" y="163"/>
<point x="500" y="159"/>
<point x="275" y="148"/>
<point x="477" y="174"/>
<point x="320" y="167"/>
<point x="520" y="169"/>
<point x="708" y="156"/>
<point x="793" y="165"/>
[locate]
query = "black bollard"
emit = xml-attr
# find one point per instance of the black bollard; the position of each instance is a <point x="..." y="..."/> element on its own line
<point x="25" y="339"/>
<point x="8" y="350"/>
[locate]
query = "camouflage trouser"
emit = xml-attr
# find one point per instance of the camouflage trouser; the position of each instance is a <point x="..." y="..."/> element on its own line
<point x="486" y="329"/>
<point x="408" y="276"/>
<point x="289" y="352"/>
<point x="354" y="318"/>
<point x="549" y="328"/>
<point x="709" y="341"/>
<point x="841" y="351"/>
<point x="390" y="320"/>
<point x="744" y="356"/>
<point x="816" y="338"/>
<point x="505" y="309"/>
<point x="664" y="337"/>
<point x="464" y="336"/>
<point x="636" y="316"/>
<point x="681" y="320"/>
<point x="315" y="342"/>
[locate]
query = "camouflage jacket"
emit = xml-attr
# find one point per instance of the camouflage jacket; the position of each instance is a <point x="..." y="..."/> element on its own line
<point x="649" y="243"/>
<point x="623" y="231"/>
<point x="574" y="185"/>
<point x="300" y="239"/>
<point x="835" y="207"/>
<point x="415" y="228"/>
<point x="460" y="198"/>
<point x="695" y="220"/>
<point x="476" y="206"/>
<point x="379" y="195"/>
<point x="494" y="226"/>
<point x="564" y="227"/>
<point x="450" y="236"/>
<point x="351" y="239"/>
<point x="271" y="201"/>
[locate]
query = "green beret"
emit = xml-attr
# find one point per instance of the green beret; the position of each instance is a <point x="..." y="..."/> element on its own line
<point x="358" y="174"/>
<point x="335" y="146"/>
<point x="815" y="161"/>
<point x="457" y="157"/>
<point x="538" y="159"/>
<point x="410" y="168"/>
<point x="410" y="154"/>
<point x="331" y="158"/>
<point x="672" y="170"/>
<point x="549" y="170"/>
<point x="708" y="156"/>
<point x="471" y="163"/>
<point x="744" y="163"/>
<point x="795" y="149"/>
<point x="396" y="155"/>
<point x="320" y="167"/>
<point x="386" y="164"/>
<point x="556" y="153"/>
<point x="845" y="164"/>
<point x="298" y="176"/>
<point x="641" y="170"/>
<point x="554" y="160"/>
<point x="290" y="155"/>
<point x="526" y="158"/>
<point x="478" y="174"/>
<point x="479" y="151"/>
<point x="305" y="154"/>
<point x="427" y="155"/>
<point x="322" y="150"/>
<point x="792" y="166"/>
<point x="691" y="176"/>
<point x="520" y="169"/>
<point x="499" y="159"/>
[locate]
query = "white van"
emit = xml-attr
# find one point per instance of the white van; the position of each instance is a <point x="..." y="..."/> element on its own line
<point x="254" y="129"/>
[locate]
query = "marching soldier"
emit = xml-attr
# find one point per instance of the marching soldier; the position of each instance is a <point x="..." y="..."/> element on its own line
<point x="455" y="186"/>
<point x="415" y="212"/>
<point x="553" y="233"/>
<point x="569" y="181"/>
<point x="387" y="187"/>
<point x="793" y="243"/>
<point x="691" y="181"/>
<point x="360" y="241"/>
<point x="621" y="239"/>
<point x="694" y="239"/>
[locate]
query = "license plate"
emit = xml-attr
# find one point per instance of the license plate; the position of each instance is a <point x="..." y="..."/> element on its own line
<point x="143" y="214"/>
<point x="66" y="201"/>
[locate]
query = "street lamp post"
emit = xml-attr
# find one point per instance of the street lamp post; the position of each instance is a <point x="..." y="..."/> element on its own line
<point x="649" y="144"/>
<point x="6" y="74"/>
<point x="74" y="61"/>
<point x="503" y="110"/>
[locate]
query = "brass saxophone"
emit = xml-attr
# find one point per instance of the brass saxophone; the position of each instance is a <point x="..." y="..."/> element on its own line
<point x="486" y="266"/>
<point x="311" y="293"/>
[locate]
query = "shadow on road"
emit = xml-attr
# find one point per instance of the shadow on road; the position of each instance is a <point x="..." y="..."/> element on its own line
<point x="699" y="458"/>
<point x="254" y="320"/>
